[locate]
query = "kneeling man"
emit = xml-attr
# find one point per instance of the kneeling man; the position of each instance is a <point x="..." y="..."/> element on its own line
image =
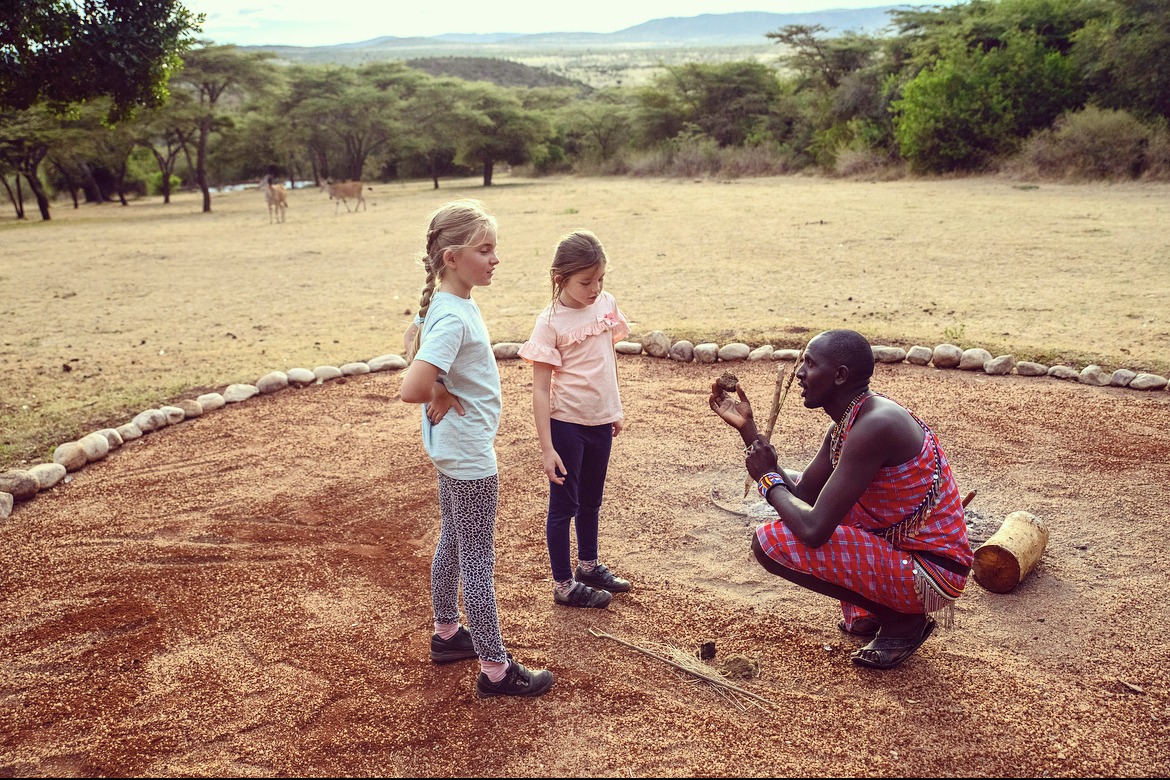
<point x="875" y="520"/>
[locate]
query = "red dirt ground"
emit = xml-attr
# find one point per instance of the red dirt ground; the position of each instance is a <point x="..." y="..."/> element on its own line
<point x="247" y="594"/>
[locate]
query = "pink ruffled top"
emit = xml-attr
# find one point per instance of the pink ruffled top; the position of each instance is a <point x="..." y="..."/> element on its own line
<point x="578" y="344"/>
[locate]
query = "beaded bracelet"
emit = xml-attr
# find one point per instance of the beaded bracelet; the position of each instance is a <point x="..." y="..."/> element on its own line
<point x="769" y="481"/>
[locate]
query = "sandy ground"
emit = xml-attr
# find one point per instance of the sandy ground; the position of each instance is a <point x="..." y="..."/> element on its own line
<point x="247" y="594"/>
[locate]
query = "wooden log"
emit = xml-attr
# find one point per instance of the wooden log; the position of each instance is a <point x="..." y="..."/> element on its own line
<point x="1004" y="560"/>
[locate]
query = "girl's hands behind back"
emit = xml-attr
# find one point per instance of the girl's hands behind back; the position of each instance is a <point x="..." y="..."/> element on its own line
<point x="442" y="402"/>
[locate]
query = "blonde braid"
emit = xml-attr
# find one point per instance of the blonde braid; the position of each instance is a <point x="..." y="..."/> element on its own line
<point x="452" y="226"/>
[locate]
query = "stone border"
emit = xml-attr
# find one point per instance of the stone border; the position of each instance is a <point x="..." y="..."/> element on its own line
<point x="23" y="484"/>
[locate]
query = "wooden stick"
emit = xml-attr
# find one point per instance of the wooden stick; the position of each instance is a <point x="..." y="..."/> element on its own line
<point x="713" y="680"/>
<point x="776" y="398"/>
<point x="967" y="500"/>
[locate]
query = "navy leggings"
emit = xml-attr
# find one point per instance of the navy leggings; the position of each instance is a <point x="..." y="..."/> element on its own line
<point x="584" y="449"/>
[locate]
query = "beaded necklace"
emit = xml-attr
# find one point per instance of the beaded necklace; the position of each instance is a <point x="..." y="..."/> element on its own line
<point x="911" y="523"/>
<point x="837" y="437"/>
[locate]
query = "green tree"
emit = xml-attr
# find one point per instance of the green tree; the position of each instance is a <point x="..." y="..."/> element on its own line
<point x="26" y="137"/>
<point x="213" y="73"/>
<point x="973" y="105"/>
<point x="1126" y="57"/>
<point x="509" y="135"/>
<point x="440" y="114"/>
<point x="65" y="51"/>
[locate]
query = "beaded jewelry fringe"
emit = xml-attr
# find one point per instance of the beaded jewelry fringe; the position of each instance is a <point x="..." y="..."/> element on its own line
<point x="933" y="600"/>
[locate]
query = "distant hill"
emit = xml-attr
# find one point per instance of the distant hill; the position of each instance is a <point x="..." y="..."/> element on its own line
<point x="502" y="72"/>
<point x="627" y="57"/>
<point x="744" y="28"/>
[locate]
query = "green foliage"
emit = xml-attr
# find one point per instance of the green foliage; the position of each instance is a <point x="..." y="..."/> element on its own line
<point x="973" y="105"/>
<point x="729" y="102"/>
<point x="1126" y="57"/>
<point x="503" y="73"/>
<point x="68" y="52"/>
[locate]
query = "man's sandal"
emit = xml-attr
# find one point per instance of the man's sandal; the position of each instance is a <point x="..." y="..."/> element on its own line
<point x="864" y="626"/>
<point x="888" y="652"/>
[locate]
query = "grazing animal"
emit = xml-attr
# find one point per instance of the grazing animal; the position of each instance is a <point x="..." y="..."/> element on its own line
<point x="344" y="190"/>
<point x="277" y="202"/>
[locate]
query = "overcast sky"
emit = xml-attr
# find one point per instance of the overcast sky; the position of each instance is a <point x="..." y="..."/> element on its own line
<point x="321" y="22"/>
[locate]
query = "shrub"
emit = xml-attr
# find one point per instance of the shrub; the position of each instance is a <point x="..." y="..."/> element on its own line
<point x="1095" y="143"/>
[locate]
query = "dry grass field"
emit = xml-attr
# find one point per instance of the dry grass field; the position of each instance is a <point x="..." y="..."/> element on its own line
<point x="107" y="309"/>
<point x="246" y="593"/>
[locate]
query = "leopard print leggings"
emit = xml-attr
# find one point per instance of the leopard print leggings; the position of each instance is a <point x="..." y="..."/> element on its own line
<point x="466" y="553"/>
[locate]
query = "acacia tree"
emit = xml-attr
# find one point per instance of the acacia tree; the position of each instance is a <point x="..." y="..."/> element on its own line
<point x="213" y="73"/>
<point x="65" y="51"/>
<point x="164" y="132"/>
<point x="440" y="113"/>
<point x="509" y="134"/>
<point x="25" y="139"/>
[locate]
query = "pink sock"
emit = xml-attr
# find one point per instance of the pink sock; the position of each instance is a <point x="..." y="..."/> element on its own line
<point x="588" y="565"/>
<point x="495" y="670"/>
<point x="446" y="630"/>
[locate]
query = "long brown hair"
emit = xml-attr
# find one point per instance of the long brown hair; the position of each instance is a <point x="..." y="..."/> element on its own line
<point x="578" y="251"/>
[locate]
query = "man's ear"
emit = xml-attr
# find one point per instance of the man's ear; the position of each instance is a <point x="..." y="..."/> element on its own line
<point x="842" y="375"/>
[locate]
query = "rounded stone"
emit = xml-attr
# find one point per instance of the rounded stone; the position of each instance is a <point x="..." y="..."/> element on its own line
<point x="303" y="376"/>
<point x="174" y="414"/>
<point x="919" y="355"/>
<point x="1001" y="365"/>
<point x="190" y="407"/>
<point x="325" y="373"/>
<point x="628" y="348"/>
<point x="888" y="354"/>
<point x="761" y="353"/>
<point x="113" y="437"/>
<point x="95" y="445"/>
<point x="70" y="455"/>
<point x="1148" y="382"/>
<point x="785" y="354"/>
<point x="504" y="350"/>
<point x="1028" y="368"/>
<point x="974" y="359"/>
<point x="706" y="352"/>
<point x="355" y="369"/>
<point x="1094" y="375"/>
<point x="47" y="474"/>
<point x="682" y="351"/>
<point x="272" y="382"/>
<point x="129" y="431"/>
<point x="150" y="420"/>
<point x="1122" y="377"/>
<point x="947" y="356"/>
<point x="390" y="363"/>
<point x="656" y="343"/>
<point x="1063" y="372"/>
<point x="6" y="502"/>
<point x="19" y="484"/>
<point x="734" y="351"/>
<point x="239" y="392"/>
<point x="209" y="402"/>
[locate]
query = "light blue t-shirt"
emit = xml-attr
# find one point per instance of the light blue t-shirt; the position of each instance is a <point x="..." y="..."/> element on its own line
<point x="455" y="340"/>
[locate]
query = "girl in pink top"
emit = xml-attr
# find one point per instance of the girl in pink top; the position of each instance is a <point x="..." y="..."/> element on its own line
<point x="578" y="413"/>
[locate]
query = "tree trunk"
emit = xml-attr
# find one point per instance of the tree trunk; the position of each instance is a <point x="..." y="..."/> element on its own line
<point x="34" y="184"/>
<point x="93" y="192"/>
<point x="69" y="183"/>
<point x="16" y="204"/>
<point x="201" y="162"/>
<point x="488" y="165"/>
<point x="434" y="170"/>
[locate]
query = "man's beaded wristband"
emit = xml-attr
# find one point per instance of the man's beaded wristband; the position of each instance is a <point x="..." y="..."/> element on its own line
<point x="769" y="481"/>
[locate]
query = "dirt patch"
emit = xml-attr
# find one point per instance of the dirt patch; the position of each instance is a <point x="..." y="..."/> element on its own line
<point x="247" y="594"/>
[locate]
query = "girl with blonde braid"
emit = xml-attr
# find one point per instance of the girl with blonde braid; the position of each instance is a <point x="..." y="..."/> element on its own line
<point x="454" y="368"/>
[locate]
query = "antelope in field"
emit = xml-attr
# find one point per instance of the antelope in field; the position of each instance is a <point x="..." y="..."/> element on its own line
<point x="343" y="191"/>
<point x="274" y="194"/>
